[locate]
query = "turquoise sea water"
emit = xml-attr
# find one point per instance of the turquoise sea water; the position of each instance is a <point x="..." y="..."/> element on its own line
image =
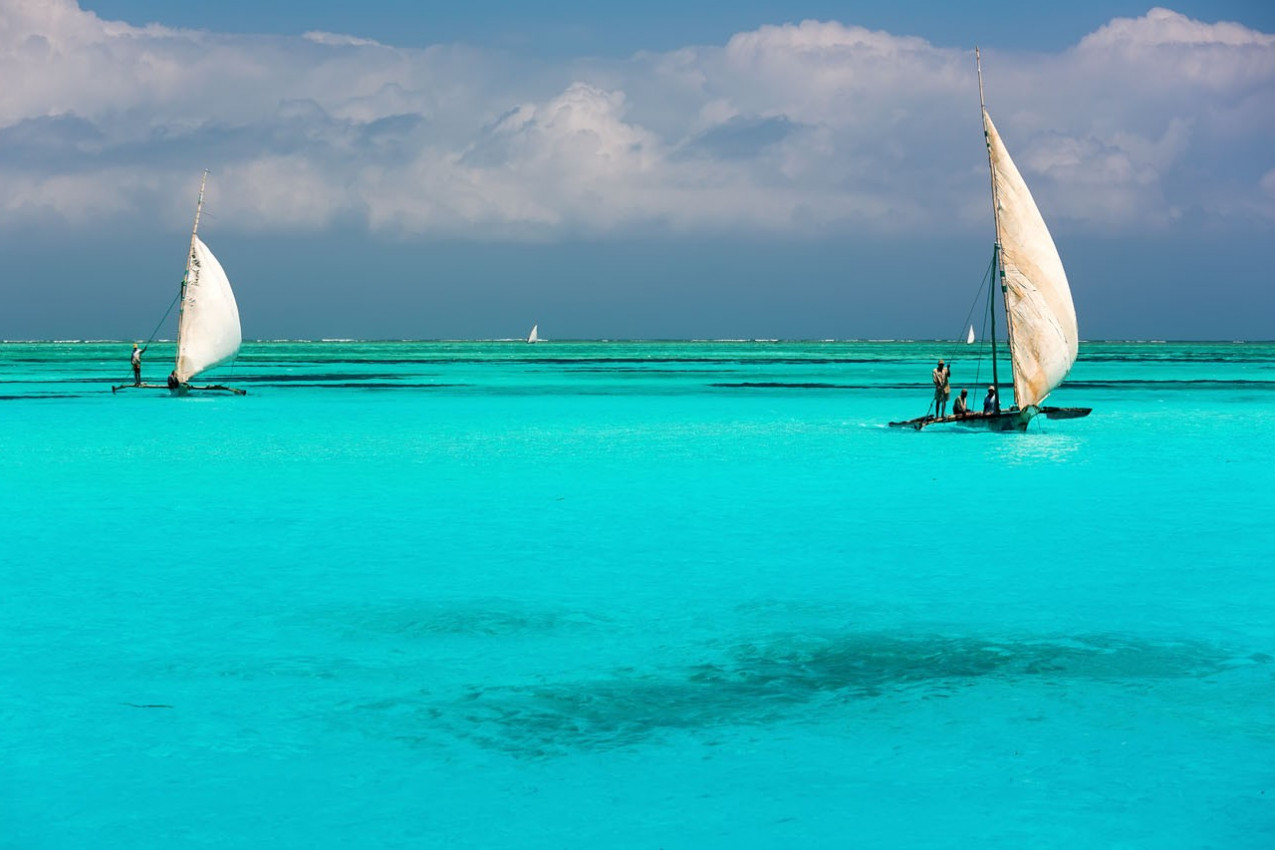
<point x="634" y="595"/>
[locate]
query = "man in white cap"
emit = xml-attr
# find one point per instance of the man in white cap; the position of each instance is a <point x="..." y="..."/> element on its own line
<point x="991" y="404"/>
<point x="137" y="365"/>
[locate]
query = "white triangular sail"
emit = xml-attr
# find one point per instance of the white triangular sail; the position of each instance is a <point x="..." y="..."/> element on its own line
<point x="208" y="333"/>
<point x="1042" y="317"/>
<point x="534" y="336"/>
<point x="969" y="337"/>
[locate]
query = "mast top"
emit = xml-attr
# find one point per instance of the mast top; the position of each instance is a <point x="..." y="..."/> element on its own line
<point x="190" y="260"/>
<point x="978" y="64"/>
<point x="199" y="205"/>
<point x="999" y="270"/>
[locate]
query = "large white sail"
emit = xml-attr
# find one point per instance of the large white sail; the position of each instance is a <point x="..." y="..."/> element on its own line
<point x="1042" y="317"/>
<point x="208" y="333"/>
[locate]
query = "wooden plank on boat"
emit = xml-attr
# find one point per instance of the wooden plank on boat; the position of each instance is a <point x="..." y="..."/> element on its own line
<point x="142" y="386"/>
<point x="180" y="390"/>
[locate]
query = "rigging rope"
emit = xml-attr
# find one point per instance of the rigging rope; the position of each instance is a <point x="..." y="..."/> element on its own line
<point x="160" y="323"/>
<point x="987" y="275"/>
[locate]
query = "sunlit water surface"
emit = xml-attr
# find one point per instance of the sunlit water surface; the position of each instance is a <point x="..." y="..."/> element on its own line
<point x="634" y="595"/>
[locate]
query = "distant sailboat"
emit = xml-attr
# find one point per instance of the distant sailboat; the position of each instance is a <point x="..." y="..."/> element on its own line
<point x="534" y="336"/>
<point x="208" y="331"/>
<point x="1039" y="312"/>
<point x="969" y="337"/>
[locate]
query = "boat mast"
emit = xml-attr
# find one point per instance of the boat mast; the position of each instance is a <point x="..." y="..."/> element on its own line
<point x="998" y="271"/>
<point x="190" y="259"/>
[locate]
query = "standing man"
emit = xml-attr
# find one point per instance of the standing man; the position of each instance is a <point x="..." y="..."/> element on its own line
<point x="939" y="376"/>
<point x="947" y="386"/>
<point x="136" y="360"/>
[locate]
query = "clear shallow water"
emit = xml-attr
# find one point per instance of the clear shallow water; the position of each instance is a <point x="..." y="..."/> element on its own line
<point x="636" y="595"/>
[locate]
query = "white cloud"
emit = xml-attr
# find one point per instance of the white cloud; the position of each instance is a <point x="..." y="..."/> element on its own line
<point x="803" y="128"/>
<point x="1117" y="176"/>
<point x="1267" y="183"/>
<point x="269" y="190"/>
<point x="1163" y="27"/>
<point x="336" y="39"/>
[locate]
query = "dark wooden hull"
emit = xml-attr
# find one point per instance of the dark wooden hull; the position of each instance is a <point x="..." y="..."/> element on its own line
<point x="1005" y="420"/>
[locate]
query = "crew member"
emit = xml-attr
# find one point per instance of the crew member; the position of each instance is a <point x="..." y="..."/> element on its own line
<point x="136" y="360"/>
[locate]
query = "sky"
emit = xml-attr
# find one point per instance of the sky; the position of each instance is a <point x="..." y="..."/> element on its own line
<point x="754" y="169"/>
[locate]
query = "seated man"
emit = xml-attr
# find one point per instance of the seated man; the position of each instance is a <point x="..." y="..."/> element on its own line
<point x="961" y="406"/>
<point x="991" y="403"/>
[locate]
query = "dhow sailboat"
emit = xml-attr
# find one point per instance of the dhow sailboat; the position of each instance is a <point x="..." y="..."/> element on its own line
<point x="1040" y="317"/>
<point x="208" y="332"/>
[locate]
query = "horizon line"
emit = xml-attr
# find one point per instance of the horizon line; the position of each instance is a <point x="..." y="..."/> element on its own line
<point x="523" y="340"/>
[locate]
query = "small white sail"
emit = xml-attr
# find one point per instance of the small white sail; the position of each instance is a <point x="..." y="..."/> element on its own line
<point x="534" y="336"/>
<point x="208" y="333"/>
<point x="969" y="337"/>
<point x="1042" y="318"/>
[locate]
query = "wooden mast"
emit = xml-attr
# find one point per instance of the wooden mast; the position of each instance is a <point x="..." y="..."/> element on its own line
<point x="998" y="272"/>
<point x="190" y="259"/>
